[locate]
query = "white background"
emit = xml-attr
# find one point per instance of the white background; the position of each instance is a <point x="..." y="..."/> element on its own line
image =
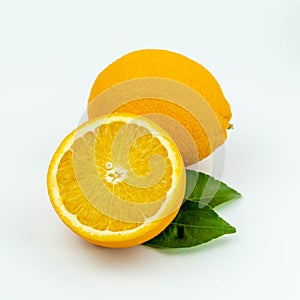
<point x="51" y="51"/>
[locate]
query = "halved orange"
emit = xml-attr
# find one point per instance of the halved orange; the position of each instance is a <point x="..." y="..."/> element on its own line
<point x="117" y="181"/>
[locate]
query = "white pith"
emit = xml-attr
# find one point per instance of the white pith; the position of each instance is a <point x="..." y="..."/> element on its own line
<point x="115" y="175"/>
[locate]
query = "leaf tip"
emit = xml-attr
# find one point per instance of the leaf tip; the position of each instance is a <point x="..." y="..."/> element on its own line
<point x="232" y="229"/>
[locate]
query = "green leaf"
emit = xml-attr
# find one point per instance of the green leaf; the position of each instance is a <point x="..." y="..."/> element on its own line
<point x="192" y="226"/>
<point x="203" y="188"/>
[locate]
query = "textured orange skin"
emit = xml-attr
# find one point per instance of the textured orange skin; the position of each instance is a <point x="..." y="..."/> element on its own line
<point x="200" y="139"/>
<point x="173" y="66"/>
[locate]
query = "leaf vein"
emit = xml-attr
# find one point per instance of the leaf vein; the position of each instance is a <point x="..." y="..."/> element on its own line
<point x="200" y="226"/>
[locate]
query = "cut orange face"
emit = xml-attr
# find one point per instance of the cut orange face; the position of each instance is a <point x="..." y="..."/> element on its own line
<point x="117" y="181"/>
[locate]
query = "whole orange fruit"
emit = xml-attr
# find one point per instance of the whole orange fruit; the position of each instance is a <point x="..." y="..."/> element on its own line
<point x="176" y="92"/>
